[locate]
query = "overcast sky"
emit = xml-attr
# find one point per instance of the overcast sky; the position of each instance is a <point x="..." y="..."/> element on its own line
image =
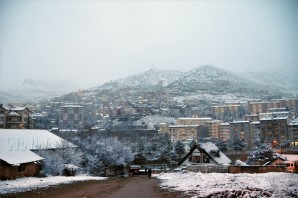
<point x="91" y="42"/>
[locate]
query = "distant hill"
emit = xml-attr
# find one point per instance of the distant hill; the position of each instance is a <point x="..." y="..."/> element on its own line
<point x="34" y="90"/>
<point x="153" y="78"/>
<point x="203" y="78"/>
<point x="285" y="79"/>
<point x="209" y="78"/>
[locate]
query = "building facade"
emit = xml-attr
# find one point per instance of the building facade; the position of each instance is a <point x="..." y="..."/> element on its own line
<point x="193" y="121"/>
<point x="293" y="132"/>
<point x="239" y="129"/>
<point x="224" y="131"/>
<point x="71" y="117"/>
<point x="12" y="117"/>
<point x="213" y="128"/>
<point x="274" y="129"/>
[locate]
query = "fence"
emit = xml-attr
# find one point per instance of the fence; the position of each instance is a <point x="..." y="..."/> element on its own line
<point x="208" y="168"/>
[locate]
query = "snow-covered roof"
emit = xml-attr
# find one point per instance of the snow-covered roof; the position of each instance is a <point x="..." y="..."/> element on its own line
<point x="14" y="108"/>
<point x="222" y="159"/>
<point x="276" y="118"/>
<point x="183" y="126"/>
<point x="206" y="118"/>
<point x="13" y="113"/>
<point x="18" y="157"/>
<point x="16" y="144"/>
<point x="255" y="122"/>
<point x="225" y="123"/>
<point x="71" y="106"/>
<point x="239" y="122"/>
<point x="29" y="139"/>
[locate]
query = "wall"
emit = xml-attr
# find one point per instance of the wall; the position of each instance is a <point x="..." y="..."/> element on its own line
<point x="8" y="171"/>
<point x="255" y="169"/>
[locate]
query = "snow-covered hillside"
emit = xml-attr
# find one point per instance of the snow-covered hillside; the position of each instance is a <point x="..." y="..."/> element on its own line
<point x="203" y="78"/>
<point x="149" y="79"/>
<point x="281" y="79"/>
<point x="209" y="78"/>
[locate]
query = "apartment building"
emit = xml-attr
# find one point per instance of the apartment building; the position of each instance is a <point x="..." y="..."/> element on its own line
<point x="254" y="134"/>
<point x="258" y="107"/>
<point x="71" y="117"/>
<point x="193" y="121"/>
<point x="213" y="128"/>
<point x="239" y="129"/>
<point x="13" y="117"/>
<point x="224" y="131"/>
<point x="262" y="107"/>
<point x="293" y="132"/>
<point x="221" y="109"/>
<point x="274" y="128"/>
<point x="180" y="132"/>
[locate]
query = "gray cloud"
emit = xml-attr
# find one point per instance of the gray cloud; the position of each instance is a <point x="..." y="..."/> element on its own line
<point x="96" y="41"/>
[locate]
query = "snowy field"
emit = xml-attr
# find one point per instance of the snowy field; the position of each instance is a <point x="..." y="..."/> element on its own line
<point x="191" y="184"/>
<point x="231" y="185"/>
<point x="30" y="183"/>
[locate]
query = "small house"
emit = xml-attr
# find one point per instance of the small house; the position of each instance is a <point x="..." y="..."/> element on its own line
<point x="204" y="155"/>
<point x="17" y="158"/>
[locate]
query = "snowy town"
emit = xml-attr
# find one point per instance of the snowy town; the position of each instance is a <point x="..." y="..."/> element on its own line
<point x="113" y="133"/>
<point x="150" y="98"/>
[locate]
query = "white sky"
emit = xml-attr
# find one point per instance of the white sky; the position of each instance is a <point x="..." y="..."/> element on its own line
<point x="92" y="42"/>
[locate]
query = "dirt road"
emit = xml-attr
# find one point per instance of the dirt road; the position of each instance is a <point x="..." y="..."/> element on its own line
<point x="131" y="187"/>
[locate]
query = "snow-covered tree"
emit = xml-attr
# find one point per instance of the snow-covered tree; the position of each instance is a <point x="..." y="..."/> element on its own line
<point x="179" y="148"/>
<point x="238" y="145"/>
<point x="261" y="155"/>
<point x="56" y="159"/>
<point x="107" y="152"/>
<point x="153" y="120"/>
<point x="222" y="146"/>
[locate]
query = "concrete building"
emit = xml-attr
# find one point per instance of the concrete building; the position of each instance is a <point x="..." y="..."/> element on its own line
<point x="213" y="128"/>
<point x="293" y="132"/>
<point x="71" y="117"/>
<point x="12" y="117"/>
<point x="274" y="128"/>
<point x="180" y="132"/>
<point x="224" y="131"/>
<point x="254" y="135"/>
<point x="258" y="107"/>
<point x="193" y="121"/>
<point x="239" y="129"/>
<point x="221" y="109"/>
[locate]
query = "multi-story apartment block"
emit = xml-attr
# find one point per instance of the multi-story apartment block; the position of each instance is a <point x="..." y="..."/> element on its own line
<point x="71" y="117"/>
<point x="274" y="129"/>
<point x="220" y="110"/>
<point x="254" y="135"/>
<point x="193" y="121"/>
<point x="180" y="132"/>
<point x="251" y="117"/>
<point x="262" y="107"/>
<point x="224" y="131"/>
<point x="14" y="117"/>
<point x="274" y="114"/>
<point x="213" y="128"/>
<point x="239" y="129"/>
<point x="293" y="132"/>
<point x="258" y="107"/>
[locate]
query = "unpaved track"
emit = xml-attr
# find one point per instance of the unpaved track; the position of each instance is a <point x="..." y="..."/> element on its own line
<point x="132" y="187"/>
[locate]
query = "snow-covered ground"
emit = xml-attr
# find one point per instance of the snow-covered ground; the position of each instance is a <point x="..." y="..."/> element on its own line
<point x="30" y="183"/>
<point x="231" y="185"/>
<point x="273" y="185"/>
